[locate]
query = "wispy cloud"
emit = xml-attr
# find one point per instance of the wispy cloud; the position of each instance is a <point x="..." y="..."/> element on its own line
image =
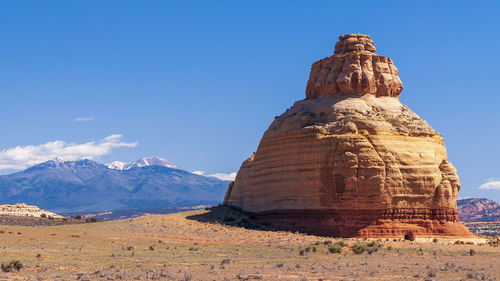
<point x="22" y="157"/>
<point x="492" y="184"/>
<point x="221" y="176"/>
<point x="84" y="119"/>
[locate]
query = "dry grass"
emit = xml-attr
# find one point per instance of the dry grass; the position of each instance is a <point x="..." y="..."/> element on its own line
<point x="193" y="246"/>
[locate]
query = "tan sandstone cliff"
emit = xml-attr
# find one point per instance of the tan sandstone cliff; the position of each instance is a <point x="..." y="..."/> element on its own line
<point x="350" y="159"/>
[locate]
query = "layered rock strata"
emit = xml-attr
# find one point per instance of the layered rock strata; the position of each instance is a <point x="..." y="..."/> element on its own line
<point x="350" y="160"/>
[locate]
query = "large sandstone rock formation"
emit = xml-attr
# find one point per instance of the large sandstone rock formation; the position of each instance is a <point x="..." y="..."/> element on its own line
<point x="350" y="160"/>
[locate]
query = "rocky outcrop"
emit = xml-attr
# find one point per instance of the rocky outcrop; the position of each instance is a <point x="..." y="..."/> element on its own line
<point x="351" y="160"/>
<point x="23" y="210"/>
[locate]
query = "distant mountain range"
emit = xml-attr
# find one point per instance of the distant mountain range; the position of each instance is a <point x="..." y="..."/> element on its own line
<point x="85" y="185"/>
<point x="478" y="210"/>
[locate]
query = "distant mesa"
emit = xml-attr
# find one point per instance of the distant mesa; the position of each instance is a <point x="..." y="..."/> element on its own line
<point x="23" y="210"/>
<point x="350" y="160"/>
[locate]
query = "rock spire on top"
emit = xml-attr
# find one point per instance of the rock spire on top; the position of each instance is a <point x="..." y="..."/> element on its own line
<point x="354" y="69"/>
<point x="354" y="42"/>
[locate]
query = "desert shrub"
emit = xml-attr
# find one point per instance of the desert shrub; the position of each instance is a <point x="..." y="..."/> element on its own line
<point x="327" y="242"/>
<point x="493" y="243"/>
<point x="186" y="276"/>
<point x="43" y="215"/>
<point x="457" y="242"/>
<point x="78" y="217"/>
<point x="151" y="247"/>
<point x="93" y="220"/>
<point x="308" y="249"/>
<point x="301" y="252"/>
<point x="341" y="243"/>
<point x="358" y="249"/>
<point x="65" y="219"/>
<point x="314" y="249"/>
<point x="435" y="240"/>
<point x="420" y="251"/>
<point x="12" y="265"/>
<point x="335" y="249"/>
<point x="371" y="244"/>
<point x="472" y="252"/>
<point x="38" y="256"/>
<point x="130" y="248"/>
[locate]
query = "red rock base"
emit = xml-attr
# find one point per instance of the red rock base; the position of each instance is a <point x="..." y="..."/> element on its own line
<point x="394" y="223"/>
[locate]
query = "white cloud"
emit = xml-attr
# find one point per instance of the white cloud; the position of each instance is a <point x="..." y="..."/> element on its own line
<point x="84" y="119"/>
<point x="221" y="176"/>
<point x="490" y="185"/>
<point x="22" y="157"/>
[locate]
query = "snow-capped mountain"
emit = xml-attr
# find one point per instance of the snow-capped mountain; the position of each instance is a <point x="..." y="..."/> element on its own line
<point x="144" y="162"/>
<point x="85" y="185"/>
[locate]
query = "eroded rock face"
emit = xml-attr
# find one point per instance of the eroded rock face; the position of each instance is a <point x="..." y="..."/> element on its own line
<point x="351" y="160"/>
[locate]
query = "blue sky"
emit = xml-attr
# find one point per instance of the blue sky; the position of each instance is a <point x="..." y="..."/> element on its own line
<point x="198" y="82"/>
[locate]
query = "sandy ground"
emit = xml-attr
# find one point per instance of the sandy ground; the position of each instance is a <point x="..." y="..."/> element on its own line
<point x="196" y="246"/>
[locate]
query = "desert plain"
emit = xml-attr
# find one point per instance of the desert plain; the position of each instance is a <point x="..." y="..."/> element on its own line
<point x="223" y="244"/>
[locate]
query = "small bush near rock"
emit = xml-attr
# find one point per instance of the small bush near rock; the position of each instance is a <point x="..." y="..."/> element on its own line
<point x="78" y="217"/>
<point x="335" y="248"/>
<point x="472" y="252"/>
<point x="358" y="249"/>
<point x="151" y="247"/>
<point x="11" y="266"/>
<point x="435" y="240"/>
